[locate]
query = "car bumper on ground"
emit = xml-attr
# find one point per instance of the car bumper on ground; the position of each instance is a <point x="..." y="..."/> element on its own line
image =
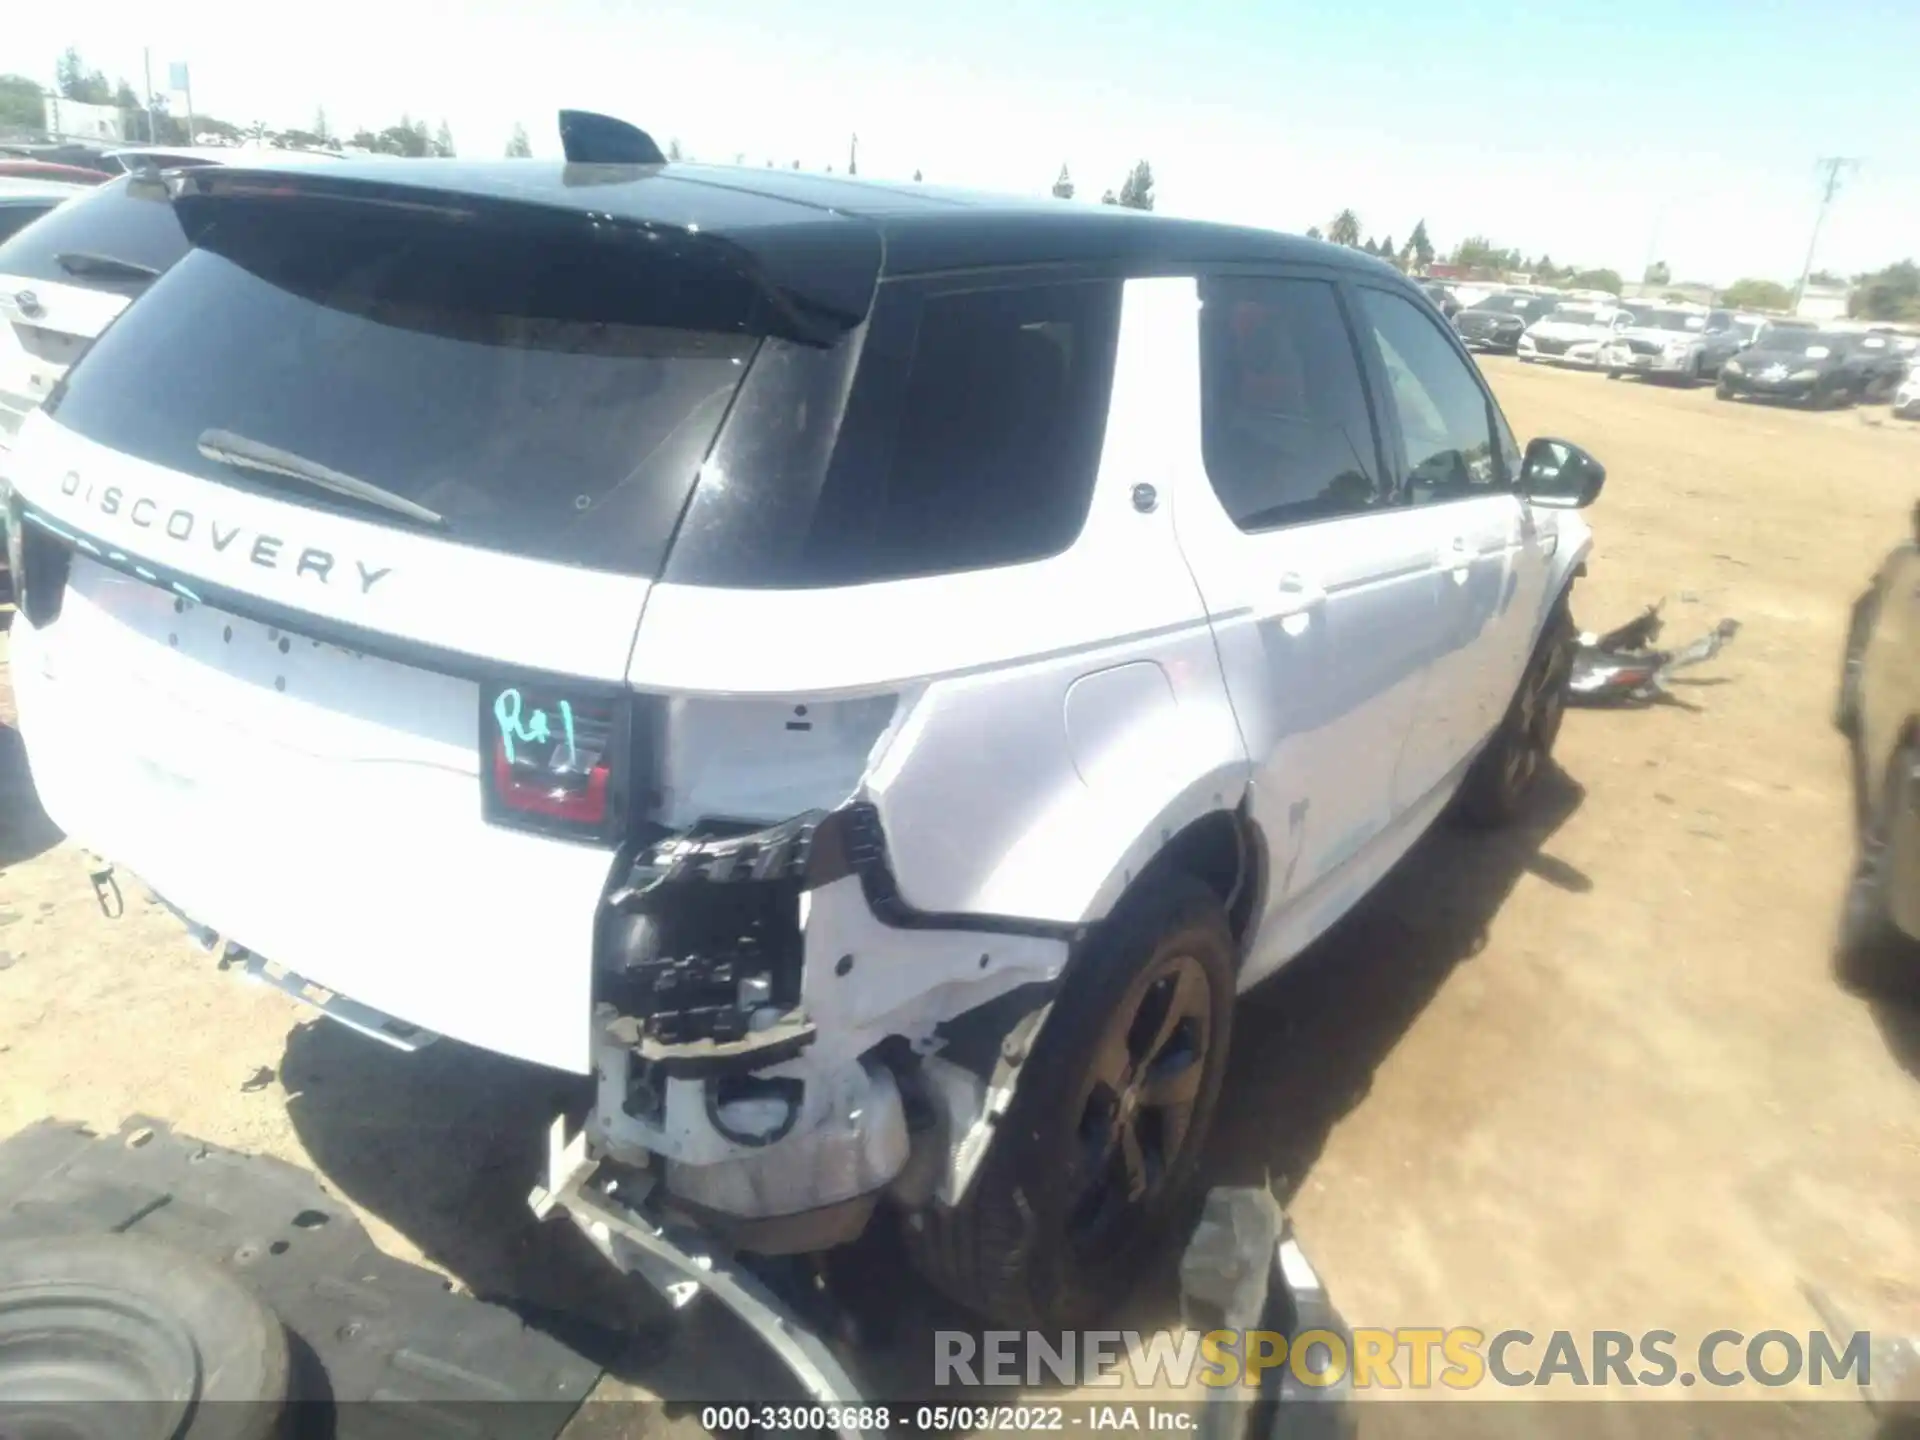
<point x="1636" y="363"/>
<point x="1758" y="389"/>
<point x="1584" y="355"/>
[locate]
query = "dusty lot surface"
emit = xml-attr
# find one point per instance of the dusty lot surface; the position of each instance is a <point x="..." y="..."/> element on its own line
<point x="1596" y="1073"/>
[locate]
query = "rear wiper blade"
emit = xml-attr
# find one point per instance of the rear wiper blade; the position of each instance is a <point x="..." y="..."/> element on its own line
<point x="238" y="450"/>
<point x="85" y="262"/>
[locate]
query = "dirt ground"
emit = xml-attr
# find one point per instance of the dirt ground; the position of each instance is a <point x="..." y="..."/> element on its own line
<point x="1592" y="1073"/>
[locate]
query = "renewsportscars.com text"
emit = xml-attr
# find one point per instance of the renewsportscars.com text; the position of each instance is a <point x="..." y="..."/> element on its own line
<point x="1407" y="1358"/>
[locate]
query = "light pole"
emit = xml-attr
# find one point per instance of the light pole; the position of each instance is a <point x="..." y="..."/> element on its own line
<point x="1833" y="165"/>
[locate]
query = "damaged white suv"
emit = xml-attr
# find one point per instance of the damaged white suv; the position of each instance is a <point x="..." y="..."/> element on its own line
<point x="864" y="673"/>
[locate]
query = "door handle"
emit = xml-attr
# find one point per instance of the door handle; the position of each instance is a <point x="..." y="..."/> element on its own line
<point x="1455" y="559"/>
<point x="1299" y="598"/>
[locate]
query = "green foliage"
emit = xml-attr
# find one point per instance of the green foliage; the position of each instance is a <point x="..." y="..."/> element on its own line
<point x="1753" y="294"/>
<point x="22" y="106"/>
<point x="1658" y="274"/>
<point x="1889" y="294"/>
<point x="1313" y="233"/>
<point x="1478" y="252"/>
<point x="76" y="82"/>
<point x="1419" y="247"/>
<point x="1607" y="280"/>
<point x="442" y="142"/>
<point x="1344" y="229"/>
<point x="124" y="97"/>
<point x="1063" y="187"/>
<point x="1136" y="191"/>
<point x="519" y="147"/>
<point x="674" y="152"/>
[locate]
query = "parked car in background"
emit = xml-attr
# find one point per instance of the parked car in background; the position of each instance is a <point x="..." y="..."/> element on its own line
<point x="24" y="201"/>
<point x="1497" y="322"/>
<point x="1570" y="334"/>
<point x="1877" y="364"/>
<point x="1444" y="300"/>
<point x="1879" y="713"/>
<point x="1657" y="341"/>
<point x="47" y="170"/>
<point x="1906" y="400"/>
<point x="1728" y="332"/>
<point x="63" y="278"/>
<point x="1797" y="364"/>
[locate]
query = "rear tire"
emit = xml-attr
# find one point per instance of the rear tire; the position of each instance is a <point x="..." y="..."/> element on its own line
<point x="1122" y="1083"/>
<point x="1722" y="390"/>
<point x="1502" y="779"/>
<point x="93" y="1324"/>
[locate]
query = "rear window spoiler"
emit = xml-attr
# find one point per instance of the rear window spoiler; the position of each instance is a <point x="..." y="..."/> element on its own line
<point x="590" y="139"/>
<point x="814" y="292"/>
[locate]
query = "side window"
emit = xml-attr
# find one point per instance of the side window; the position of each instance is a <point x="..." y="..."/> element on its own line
<point x="981" y="443"/>
<point x="1446" y="421"/>
<point x="1285" y="430"/>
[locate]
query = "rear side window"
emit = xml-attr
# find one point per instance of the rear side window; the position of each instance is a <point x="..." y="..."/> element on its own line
<point x="116" y="237"/>
<point x="548" y="395"/>
<point x="970" y="439"/>
<point x="1285" y="429"/>
<point x="1446" y="420"/>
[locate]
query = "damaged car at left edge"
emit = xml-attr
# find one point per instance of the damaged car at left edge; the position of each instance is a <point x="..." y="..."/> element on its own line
<point x="863" y="676"/>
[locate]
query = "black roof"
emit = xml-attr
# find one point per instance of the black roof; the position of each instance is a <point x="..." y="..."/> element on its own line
<point x="922" y="229"/>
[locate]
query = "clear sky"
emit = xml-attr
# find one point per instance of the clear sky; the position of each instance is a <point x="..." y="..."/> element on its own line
<point x="1601" y="133"/>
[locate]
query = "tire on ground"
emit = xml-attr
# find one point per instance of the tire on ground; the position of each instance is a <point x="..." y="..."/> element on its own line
<point x="1004" y="1252"/>
<point x="97" y="1328"/>
<point x="1874" y="954"/>
<point x="1496" y="791"/>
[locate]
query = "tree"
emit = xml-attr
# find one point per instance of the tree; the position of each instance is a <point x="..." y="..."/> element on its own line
<point x="1825" y="277"/>
<point x="88" y="87"/>
<point x="1889" y="294"/>
<point x="916" y="177"/>
<point x="1107" y="197"/>
<point x="223" y="129"/>
<point x="1313" y="233"/>
<point x="124" y="97"/>
<point x="1419" y="247"/>
<point x="1344" y="229"/>
<point x="1136" y="191"/>
<point x="1367" y="247"/>
<point x="1658" y="274"/>
<point x="518" y="146"/>
<point x="1477" y="252"/>
<point x="1386" y="250"/>
<point x="1757" y="295"/>
<point x="443" y="142"/>
<point x="1608" y="280"/>
<point x="22" y="105"/>
<point x="320" y="126"/>
<point x="363" y="140"/>
<point x="1063" y="187"/>
<point x="674" y="153"/>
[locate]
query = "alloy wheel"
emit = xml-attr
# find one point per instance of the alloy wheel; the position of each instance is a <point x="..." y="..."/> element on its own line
<point x="1136" y="1115"/>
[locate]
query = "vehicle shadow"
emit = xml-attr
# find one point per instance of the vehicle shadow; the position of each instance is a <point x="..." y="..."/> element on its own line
<point x="444" y="1145"/>
<point x="25" y="830"/>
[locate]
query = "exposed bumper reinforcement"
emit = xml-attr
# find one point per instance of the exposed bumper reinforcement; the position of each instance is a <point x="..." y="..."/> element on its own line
<point x="680" y="1262"/>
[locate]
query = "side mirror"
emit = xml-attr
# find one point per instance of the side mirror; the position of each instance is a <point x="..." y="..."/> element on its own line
<point x="1560" y="474"/>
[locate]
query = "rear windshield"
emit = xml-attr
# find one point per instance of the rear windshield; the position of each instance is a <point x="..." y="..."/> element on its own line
<point x="1668" y="320"/>
<point x="545" y="396"/>
<point x="128" y="221"/>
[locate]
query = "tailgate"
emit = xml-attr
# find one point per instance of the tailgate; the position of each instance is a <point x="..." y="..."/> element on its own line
<point x="318" y="806"/>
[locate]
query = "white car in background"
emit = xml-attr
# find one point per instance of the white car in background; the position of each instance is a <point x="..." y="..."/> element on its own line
<point x="1661" y="340"/>
<point x="1571" y="334"/>
<point x="1906" y="400"/>
<point x="70" y="272"/>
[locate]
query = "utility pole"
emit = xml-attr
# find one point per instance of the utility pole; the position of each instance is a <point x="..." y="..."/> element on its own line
<point x="146" y="60"/>
<point x="853" y="157"/>
<point x="1833" y="165"/>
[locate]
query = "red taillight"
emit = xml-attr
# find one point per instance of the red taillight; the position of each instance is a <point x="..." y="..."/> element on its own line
<point x="553" y="762"/>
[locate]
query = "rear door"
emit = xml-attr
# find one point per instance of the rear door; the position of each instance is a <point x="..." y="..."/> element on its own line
<point x="64" y="278"/>
<point x="1459" y="466"/>
<point x="359" y="519"/>
<point x="1320" y="586"/>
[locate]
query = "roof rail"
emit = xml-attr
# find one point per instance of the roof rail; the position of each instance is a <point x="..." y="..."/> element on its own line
<point x="590" y="139"/>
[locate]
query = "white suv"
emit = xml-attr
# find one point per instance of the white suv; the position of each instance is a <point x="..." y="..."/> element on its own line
<point x="864" y="674"/>
<point x="1658" y="341"/>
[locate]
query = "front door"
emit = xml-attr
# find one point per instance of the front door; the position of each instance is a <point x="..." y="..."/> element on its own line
<point x="1458" y="465"/>
<point x="1319" y="584"/>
